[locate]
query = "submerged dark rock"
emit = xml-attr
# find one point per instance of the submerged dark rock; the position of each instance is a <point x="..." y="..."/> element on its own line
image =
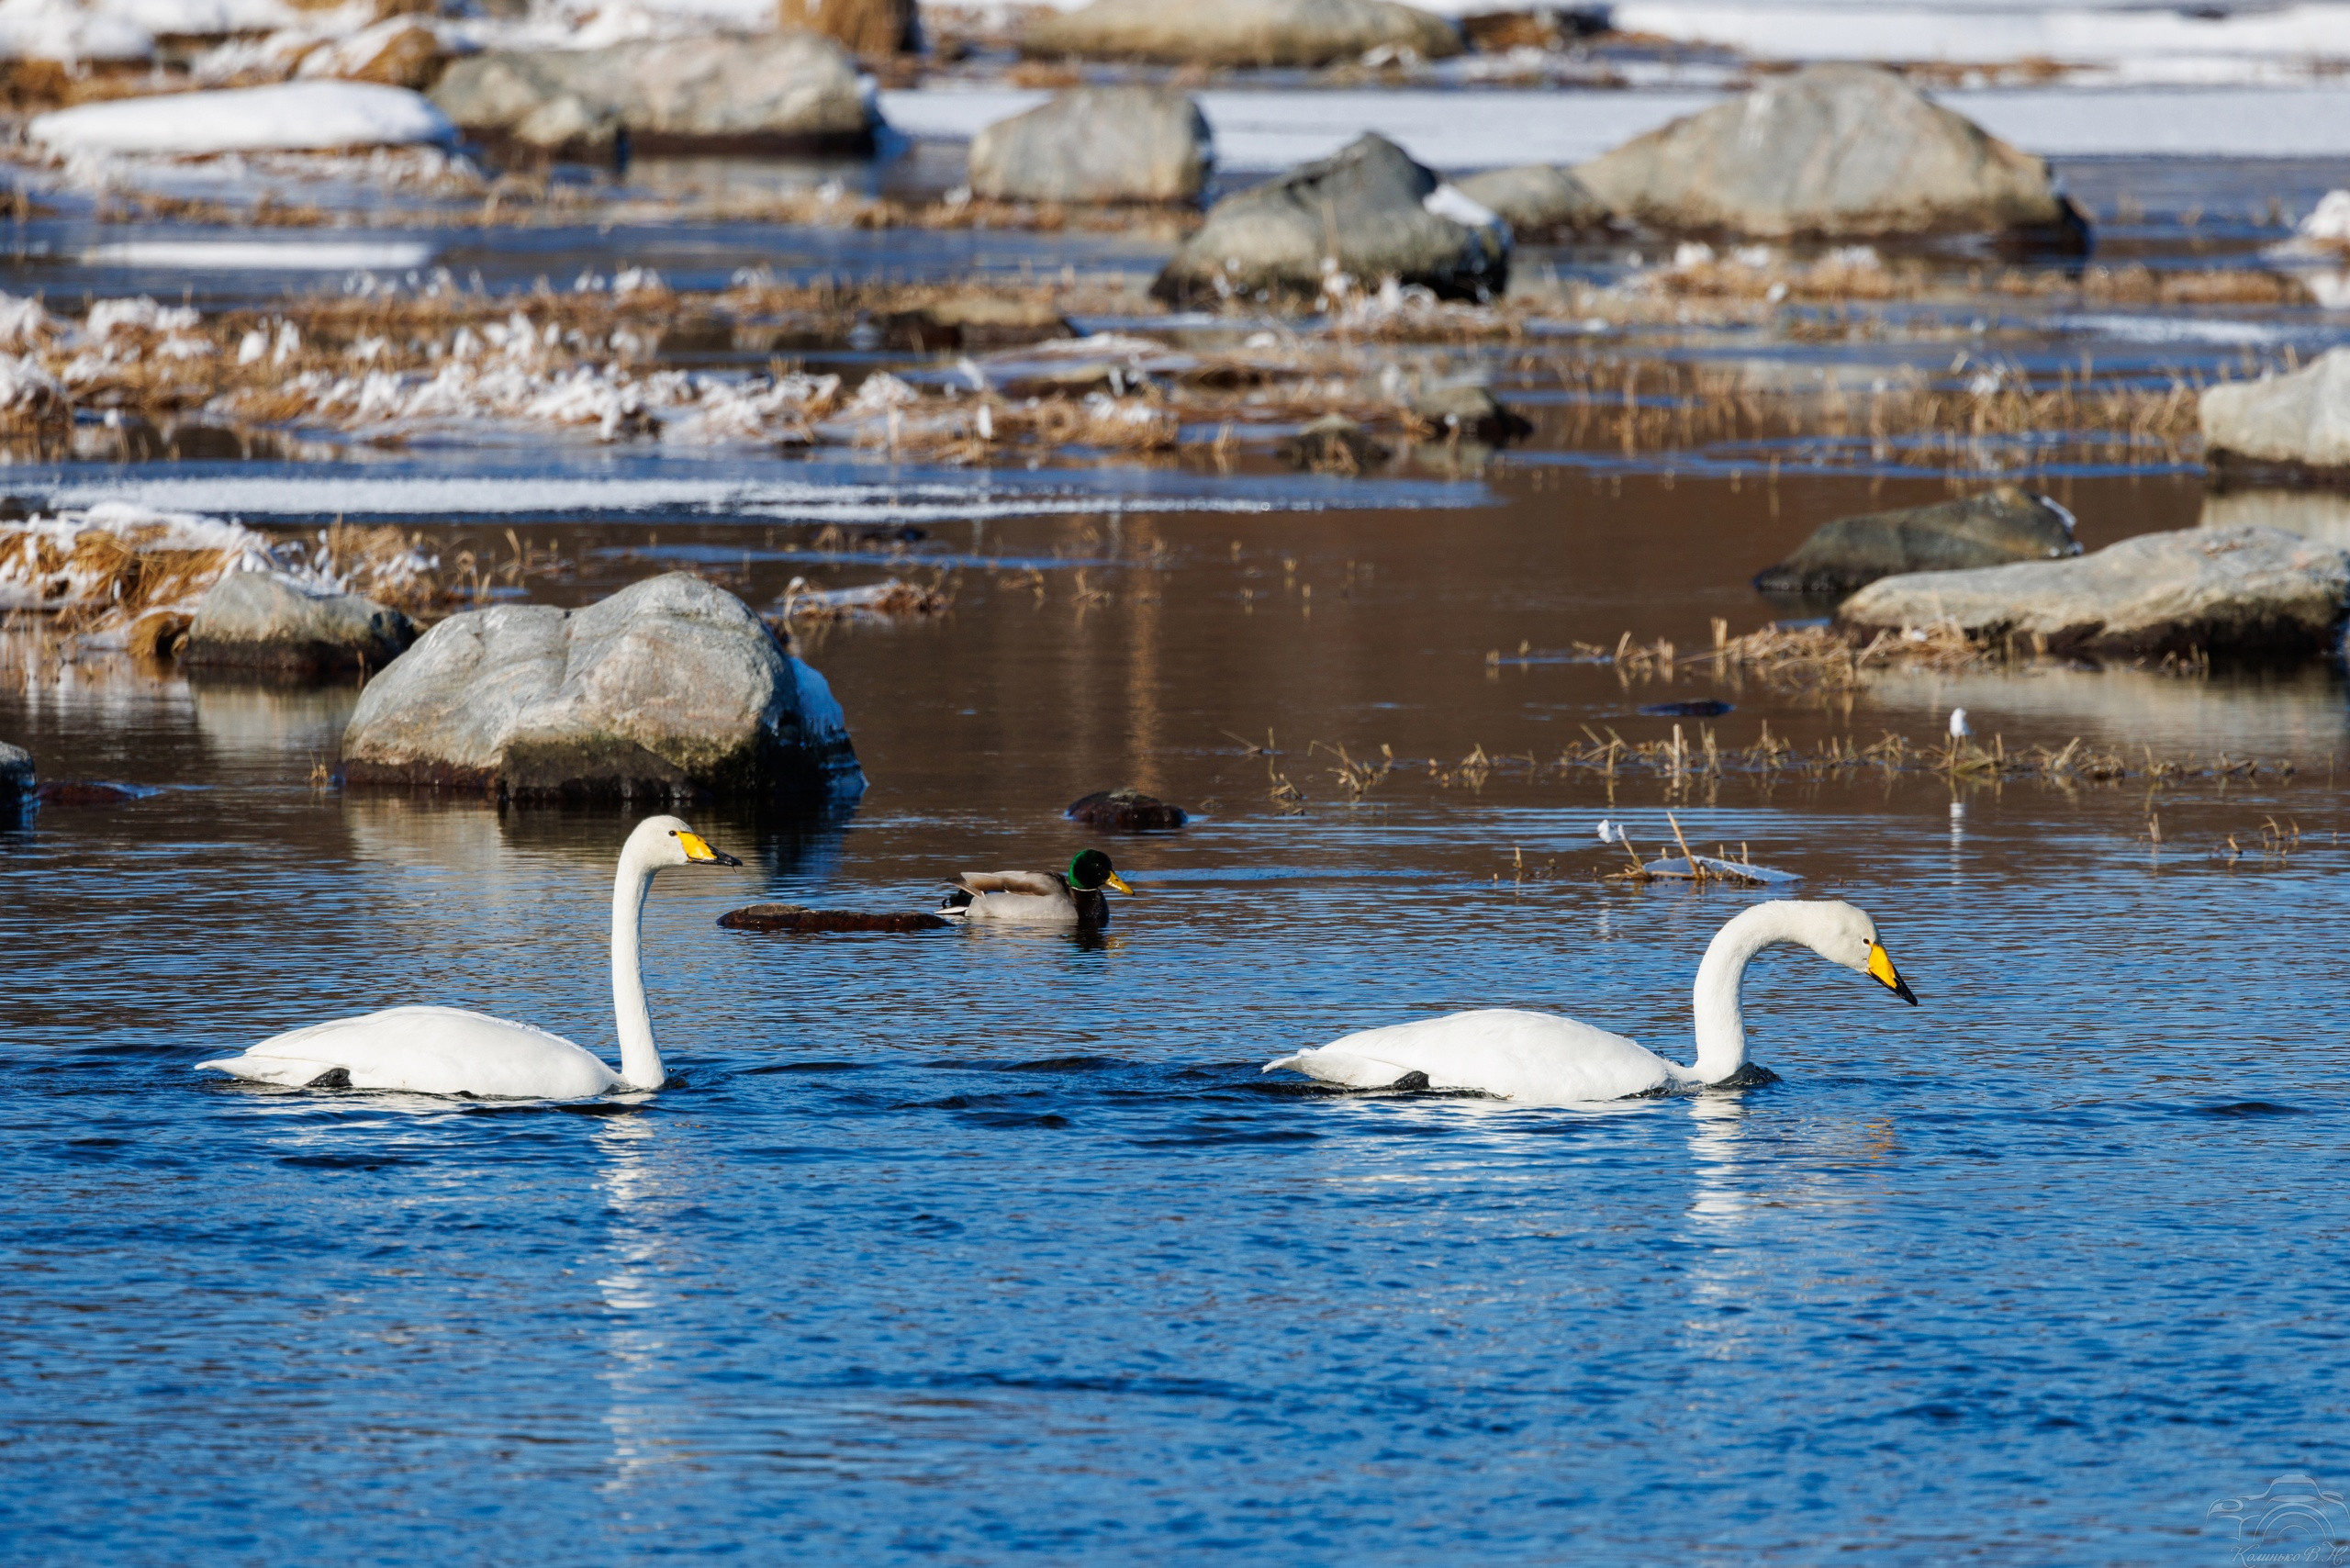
<point x="259" y="621"/>
<point x="671" y="689"/>
<point x="1368" y="211"/>
<point x="793" y="917"/>
<point x="89" y="792"/>
<point x="1471" y="412"/>
<point x="1127" y="810"/>
<point x="1993" y="529"/>
<point x="1334" y="445"/>
<point x="17" y="780"/>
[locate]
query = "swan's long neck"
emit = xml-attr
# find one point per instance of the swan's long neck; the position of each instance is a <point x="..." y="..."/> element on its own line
<point x="639" y="1058"/>
<point x="1721" y="1028"/>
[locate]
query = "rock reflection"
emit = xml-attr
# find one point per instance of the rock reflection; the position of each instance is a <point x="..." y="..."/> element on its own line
<point x="2321" y="515"/>
<point x="265" y="723"/>
<point x="2279" y="714"/>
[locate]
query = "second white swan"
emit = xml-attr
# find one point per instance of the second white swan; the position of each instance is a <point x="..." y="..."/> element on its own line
<point x="1542" y="1059"/>
<point x="446" y="1050"/>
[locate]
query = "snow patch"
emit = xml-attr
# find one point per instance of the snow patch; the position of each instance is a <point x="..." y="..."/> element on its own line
<point x="264" y="256"/>
<point x="293" y="116"/>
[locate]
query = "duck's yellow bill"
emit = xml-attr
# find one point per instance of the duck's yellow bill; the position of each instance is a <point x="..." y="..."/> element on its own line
<point x="1119" y="882"/>
<point x="699" y="851"/>
<point x="1881" y="970"/>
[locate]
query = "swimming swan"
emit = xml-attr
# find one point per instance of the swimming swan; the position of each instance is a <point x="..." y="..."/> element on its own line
<point x="1546" y="1060"/>
<point x="446" y="1050"/>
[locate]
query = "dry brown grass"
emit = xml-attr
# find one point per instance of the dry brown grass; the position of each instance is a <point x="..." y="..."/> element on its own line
<point x="1649" y="405"/>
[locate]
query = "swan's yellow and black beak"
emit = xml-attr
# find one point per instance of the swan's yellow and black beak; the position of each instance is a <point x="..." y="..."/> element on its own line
<point x="700" y="852"/>
<point x="1881" y="970"/>
<point x="1118" y="883"/>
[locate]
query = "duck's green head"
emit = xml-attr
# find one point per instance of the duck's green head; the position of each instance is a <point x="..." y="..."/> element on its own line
<point x="1091" y="871"/>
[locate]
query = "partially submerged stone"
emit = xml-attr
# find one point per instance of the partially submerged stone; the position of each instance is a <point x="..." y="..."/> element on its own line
<point x="1834" y="152"/>
<point x="1097" y="145"/>
<point x="1469" y="409"/>
<point x="1241" y="32"/>
<point x="1127" y="810"/>
<point x="793" y="917"/>
<point x="787" y="92"/>
<point x="259" y="621"/>
<point x="1538" y="201"/>
<point x="2293" y="428"/>
<point x="2238" y="592"/>
<point x="670" y="688"/>
<point x="1368" y="211"/>
<point x="89" y="792"/>
<point x="17" y="780"/>
<point x="1995" y="528"/>
<point x="1334" y="445"/>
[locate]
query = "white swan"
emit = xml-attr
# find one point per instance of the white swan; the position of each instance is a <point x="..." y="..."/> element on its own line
<point x="446" y="1050"/>
<point x="1546" y="1060"/>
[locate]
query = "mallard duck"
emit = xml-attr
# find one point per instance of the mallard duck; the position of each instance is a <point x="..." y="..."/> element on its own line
<point x="1037" y="898"/>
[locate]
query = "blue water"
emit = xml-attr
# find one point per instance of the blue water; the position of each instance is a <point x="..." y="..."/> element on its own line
<point x="960" y="1247"/>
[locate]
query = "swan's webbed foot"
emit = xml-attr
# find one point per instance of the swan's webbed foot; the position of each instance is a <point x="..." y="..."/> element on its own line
<point x="1753" y="1075"/>
<point x="332" y="1077"/>
<point x="1408" y="1084"/>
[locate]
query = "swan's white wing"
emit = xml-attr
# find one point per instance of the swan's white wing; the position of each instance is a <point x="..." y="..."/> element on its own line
<point x="429" y="1050"/>
<point x="291" y="1073"/>
<point x="1537" y="1058"/>
<point x="1334" y="1065"/>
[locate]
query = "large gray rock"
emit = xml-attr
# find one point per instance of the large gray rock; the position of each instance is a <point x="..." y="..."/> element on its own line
<point x="1097" y="144"/>
<point x="1367" y="210"/>
<point x="2251" y="592"/>
<point x="2293" y="427"/>
<point x="672" y="688"/>
<point x="776" y="92"/>
<point x="17" y="780"/>
<point x="1847" y="151"/>
<point x="259" y="621"/>
<point x="1989" y="530"/>
<point x="1538" y="200"/>
<point x="1240" y="32"/>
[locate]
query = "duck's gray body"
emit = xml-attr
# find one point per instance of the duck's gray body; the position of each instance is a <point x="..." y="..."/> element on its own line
<point x="1023" y="898"/>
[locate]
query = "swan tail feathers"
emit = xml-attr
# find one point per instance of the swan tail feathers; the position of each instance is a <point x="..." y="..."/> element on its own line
<point x="1338" y="1067"/>
<point x="289" y="1072"/>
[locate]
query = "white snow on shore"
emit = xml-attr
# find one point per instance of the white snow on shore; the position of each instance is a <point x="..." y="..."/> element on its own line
<point x="264" y="496"/>
<point x="2139" y="42"/>
<point x="265" y="255"/>
<point x="295" y="117"/>
<point x="1488" y="128"/>
<point x="49" y="29"/>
